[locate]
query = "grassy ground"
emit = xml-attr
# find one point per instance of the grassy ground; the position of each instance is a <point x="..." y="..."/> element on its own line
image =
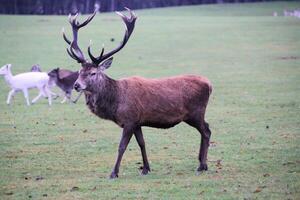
<point x="253" y="61"/>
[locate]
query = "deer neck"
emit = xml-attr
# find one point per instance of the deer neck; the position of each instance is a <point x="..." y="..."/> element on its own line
<point x="8" y="77"/>
<point x="103" y="97"/>
<point x="58" y="80"/>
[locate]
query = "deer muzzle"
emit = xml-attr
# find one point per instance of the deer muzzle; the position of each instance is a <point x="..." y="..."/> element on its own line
<point x="77" y="87"/>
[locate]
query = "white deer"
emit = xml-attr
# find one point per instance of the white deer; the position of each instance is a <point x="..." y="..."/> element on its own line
<point x="24" y="81"/>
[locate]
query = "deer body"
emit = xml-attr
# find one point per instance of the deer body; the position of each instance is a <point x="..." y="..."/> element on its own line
<point x="65" y="80"/>
<point x="135" y="102"/>
<point x="27" y="80"/>
<point x="160" y="103"/>
<point x="24" y="81"/>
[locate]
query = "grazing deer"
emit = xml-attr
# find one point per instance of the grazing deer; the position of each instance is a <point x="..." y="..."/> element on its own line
<point x="24" y="81"/>
<point x="65" y="80"/>
<point x="135" y="101"/>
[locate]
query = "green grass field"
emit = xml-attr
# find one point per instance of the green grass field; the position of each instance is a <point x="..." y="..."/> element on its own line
<point x="253" y="61"/>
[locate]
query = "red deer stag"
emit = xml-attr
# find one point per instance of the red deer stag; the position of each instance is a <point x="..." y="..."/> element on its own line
<point x="135" y="101"/>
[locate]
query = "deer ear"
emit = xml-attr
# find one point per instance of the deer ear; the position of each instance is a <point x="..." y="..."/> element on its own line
<point x="105" y="64"/>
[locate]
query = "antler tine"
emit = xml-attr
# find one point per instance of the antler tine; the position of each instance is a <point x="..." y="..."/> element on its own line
<point x="72" y="19"/>
<point x="132" y="14"/>
<point x="74" y="51"/>
<point x="88" y="20"/>
<point x="94" y="59"/>
<point x="70" y="54"/>
<point x="78" y="58"/>
<point x="65" y="37"/>
<point x="128" y="21"/>
<point x="102" y="51"/>
<point x="129" y="25"/>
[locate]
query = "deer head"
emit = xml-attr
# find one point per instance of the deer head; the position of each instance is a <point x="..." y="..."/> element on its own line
<point x="4" y="70"/>
<point x="97" y="64"/>
<point x="54" y="74"/>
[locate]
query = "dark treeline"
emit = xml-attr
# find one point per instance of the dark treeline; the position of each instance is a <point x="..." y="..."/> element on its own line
<point x="59" y="7"/>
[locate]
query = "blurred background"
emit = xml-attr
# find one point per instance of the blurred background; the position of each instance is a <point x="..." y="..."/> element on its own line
<point x="61" y="7"/>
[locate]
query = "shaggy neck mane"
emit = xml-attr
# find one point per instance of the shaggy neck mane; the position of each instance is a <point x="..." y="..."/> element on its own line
<point x="102" y="97"/>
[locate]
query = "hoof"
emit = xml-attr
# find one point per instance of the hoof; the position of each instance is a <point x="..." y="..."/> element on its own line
<point x="202" y="167"/>
<point x="144" y="170"/>
<point x="113" y="176"/>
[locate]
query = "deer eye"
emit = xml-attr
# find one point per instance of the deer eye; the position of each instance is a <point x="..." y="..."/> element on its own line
<point x="92" y="73"/>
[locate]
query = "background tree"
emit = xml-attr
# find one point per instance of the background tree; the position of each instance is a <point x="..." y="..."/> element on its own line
<point x="62" y="7"/>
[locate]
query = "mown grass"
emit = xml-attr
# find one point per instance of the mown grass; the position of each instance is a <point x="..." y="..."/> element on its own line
<point x="253" y="61"/>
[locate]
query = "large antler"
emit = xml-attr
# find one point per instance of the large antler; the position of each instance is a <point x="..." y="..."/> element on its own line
<point x="129" y="23"/>
<point x="74" y="50"/>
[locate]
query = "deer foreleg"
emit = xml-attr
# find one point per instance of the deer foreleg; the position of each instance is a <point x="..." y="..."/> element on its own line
<point x="126" y="136"/>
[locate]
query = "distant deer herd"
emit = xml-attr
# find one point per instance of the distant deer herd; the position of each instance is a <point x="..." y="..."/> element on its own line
<point x="131" y="102"/>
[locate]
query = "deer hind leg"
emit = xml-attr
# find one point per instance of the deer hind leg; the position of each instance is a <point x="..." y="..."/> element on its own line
<point x="65" y="97"/>
<point x="203" y="128"/>
<point x="205" y="137"/>
<point x="47" y="92"/>
<point x="25" y="92"/>
<point x="64" y="100"/>
<point x="37" y="97"/>
<point x="55" y="96"/>
<point x="126" y="136"/>
<point x="140" y="140"/>
<point x="41" y="93"/>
